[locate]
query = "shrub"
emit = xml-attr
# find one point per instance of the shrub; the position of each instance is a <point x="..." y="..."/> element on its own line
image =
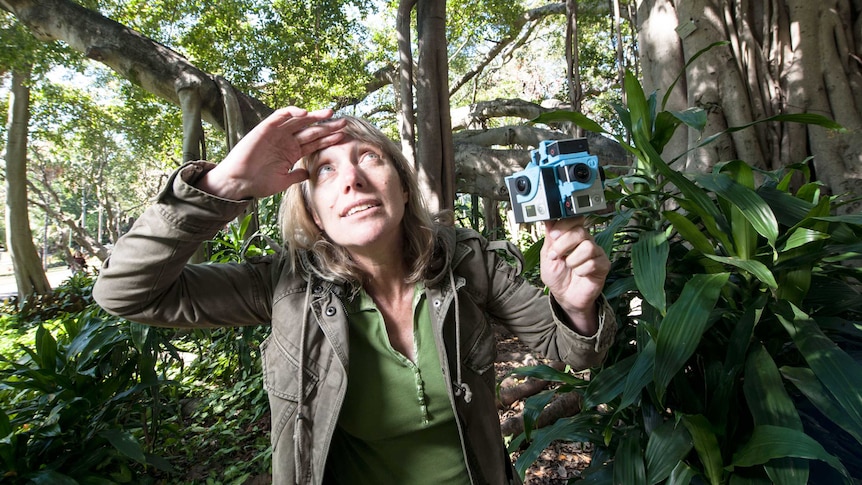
<point x="737" y="356"/>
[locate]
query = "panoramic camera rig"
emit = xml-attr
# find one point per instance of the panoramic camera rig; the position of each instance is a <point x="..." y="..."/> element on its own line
<point x="562" y="180"/>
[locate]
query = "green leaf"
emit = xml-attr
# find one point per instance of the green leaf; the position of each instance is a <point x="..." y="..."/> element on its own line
<point x="807" y="383"/>
<point x="770" y="404"/>
<point x="51" y="477"/>
<point x="640" y="374"/>
<point x="682" y="474"/>
<point x="5" y="426"/>
<point x="533" y="255"/>
<point x="839" y="373"/>
<point x="533" y="407"/>
<point x="801" y="236"/>
<point x="577" y="428"/>
<point x="752" y="206"/>
<point x="548" y="373"/>
<point x="125" y="443"/>
<point x="770" y="442"/>
<point x="667" y="446"/>
<point x="46" y="349"/>
<point x="649" y="265"/>
<point x="605" y="239"/>
<point x="629" y="462"/>
<point x="571" y="116"/>
<point x="609" y="383"/>
<point x="682" y="328"/>
<point x="756" y="268"/>
<point x="706" y="445"/>
<point x="692" y="117"/>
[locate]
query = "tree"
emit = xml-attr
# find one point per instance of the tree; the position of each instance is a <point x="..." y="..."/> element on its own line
<point x="781" y="57"/>
<point x="29" y="274"/>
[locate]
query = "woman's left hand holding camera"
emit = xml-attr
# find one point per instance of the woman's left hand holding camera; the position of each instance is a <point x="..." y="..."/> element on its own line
<point x="574" y="268"/>
<point x="262" y="163"/>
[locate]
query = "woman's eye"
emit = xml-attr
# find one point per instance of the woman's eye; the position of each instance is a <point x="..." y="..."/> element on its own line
<point x="324" y="170"/>
<point x="369" y="157"/>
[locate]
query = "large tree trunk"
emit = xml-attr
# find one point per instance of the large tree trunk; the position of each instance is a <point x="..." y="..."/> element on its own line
<point x="783" y="56"/>
<point x="434" y="150"/>
<point x="29" y="274"/>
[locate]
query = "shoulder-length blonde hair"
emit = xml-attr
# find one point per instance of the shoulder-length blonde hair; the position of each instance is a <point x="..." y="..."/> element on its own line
<point x="305" y="240"/>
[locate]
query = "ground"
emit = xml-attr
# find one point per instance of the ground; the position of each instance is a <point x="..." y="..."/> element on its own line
<point x="560" y="461"/>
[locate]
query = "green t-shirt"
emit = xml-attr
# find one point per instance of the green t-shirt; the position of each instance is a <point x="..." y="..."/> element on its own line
<point x="396" y="423"/>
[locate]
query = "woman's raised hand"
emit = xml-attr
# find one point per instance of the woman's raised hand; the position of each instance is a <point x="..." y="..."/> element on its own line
<point x="574" y="268"/>
<point x="262" y="163"/>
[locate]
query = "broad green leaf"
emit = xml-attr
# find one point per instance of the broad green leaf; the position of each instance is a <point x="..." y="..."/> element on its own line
<point x="788" y="210"/>
<point x="572" y="116"/>
<point x="649" y="265"/>
<point x="629" y="461"/>
<point x="692" y="117"/>
<point x="640" y="374"/>
<point x="807" y="383"/>
<point x="770" y="404"/>
<point x="682" y="328"/>
<point x="838" y="372"/>
<point x="640" y="111"/>
<point x="51" y="477"/>
<point x="706" y="445"/>
<point x="605" y="239"/>
<point x="533" y="255"/>
<point x="609" y="383"/>
<point x="548" y="373"/>
<point x="770" y="442"/>
<point x="682" y="474"/>
<point x="576" y="428"/>
<point x="665" y="126"/>
<point x="806" y="118"/>
<point x="125" y="443"/>
<point x="668" y="444"/>
<point x="691" y="233"/>
<point x="756" y="268"/>
<point x="533" y="407"/>
<point x="801" y="236"/>
<point x="5" y="426"/>
<point x="620" y="287"/>
<point x="752" y="206"/>
<point x="46" y="349"/>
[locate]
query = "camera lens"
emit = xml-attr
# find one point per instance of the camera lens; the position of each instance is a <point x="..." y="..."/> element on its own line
<point x="579" y="172"/>
<point x="522" y="185"/>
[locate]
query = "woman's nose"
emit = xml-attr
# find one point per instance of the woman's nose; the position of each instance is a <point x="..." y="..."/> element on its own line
<point x="352" y="178"/>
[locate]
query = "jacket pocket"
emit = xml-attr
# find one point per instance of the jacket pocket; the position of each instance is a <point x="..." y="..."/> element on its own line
<point x="281" y="382"/>
<point x="481" y="348"/>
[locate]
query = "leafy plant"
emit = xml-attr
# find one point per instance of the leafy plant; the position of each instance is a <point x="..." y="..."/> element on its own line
<point x="737" y="358"/>
<point x="79" y="401"/>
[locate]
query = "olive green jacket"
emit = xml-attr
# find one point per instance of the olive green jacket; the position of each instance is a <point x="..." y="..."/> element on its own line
<point x="147" y="280"/>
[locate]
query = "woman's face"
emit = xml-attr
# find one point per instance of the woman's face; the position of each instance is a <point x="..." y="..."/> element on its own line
<point x="357" y="198"/>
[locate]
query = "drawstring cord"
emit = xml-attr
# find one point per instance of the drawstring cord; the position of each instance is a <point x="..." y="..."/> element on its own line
<point x="461" y="388"/>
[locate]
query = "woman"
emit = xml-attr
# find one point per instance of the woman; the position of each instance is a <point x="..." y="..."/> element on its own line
<point x="379" y="365"/>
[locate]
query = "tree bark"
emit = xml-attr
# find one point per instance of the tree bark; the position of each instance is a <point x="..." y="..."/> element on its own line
<point x="434" y="149"/>
<point x="29" y="274"/>
<point x="783" y="57"/>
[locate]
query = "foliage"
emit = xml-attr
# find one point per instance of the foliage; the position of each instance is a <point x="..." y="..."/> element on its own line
<point x="738" y="352"/>
<point x="81" y="403"/>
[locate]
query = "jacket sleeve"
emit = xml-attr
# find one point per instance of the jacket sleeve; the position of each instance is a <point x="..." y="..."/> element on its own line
<point x="536" y="319"/>
<point x="147" y="278"/>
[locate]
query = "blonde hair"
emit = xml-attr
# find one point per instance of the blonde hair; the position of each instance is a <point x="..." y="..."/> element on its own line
<point x="305" y="240"/>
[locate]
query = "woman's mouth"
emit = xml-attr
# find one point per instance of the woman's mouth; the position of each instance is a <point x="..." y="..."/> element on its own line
<point x="359" y="208"/>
